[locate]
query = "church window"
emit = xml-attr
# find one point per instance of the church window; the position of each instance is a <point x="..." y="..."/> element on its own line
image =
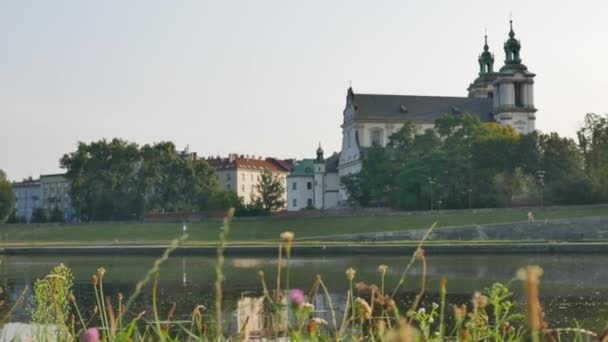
<point x="309" y="185"/>
<point x="294" y="186"/>
<point x="310" y="202"/>
<point x="295" y="202"/>
<point x="519" y="94"/>
<point x="376" y="137"/>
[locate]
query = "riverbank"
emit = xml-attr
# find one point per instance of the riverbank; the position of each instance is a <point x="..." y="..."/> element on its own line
<point x="268" y="229"/>
<point x="442" y="248"/>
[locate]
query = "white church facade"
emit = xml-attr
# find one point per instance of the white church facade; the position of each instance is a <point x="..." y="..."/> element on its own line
<point x="505" y="96"/>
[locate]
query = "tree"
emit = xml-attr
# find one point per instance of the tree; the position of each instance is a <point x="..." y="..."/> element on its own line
<point x="118" y="180"/>
<point x="593" y="142"/>
<point x="39" y="215"/>
<point x="7" y="197"/>
<point x="56" y="215"/>
<point x="272" y="191"/>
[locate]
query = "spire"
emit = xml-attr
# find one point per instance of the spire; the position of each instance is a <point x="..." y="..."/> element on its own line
<point x="512" y="47"/>
<point x="486" y="59"/>
<point x="319" y="153"/>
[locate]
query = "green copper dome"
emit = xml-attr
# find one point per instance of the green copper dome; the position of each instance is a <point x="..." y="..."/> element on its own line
<point x="486" y="59"/>
<point x="512" y="47"/>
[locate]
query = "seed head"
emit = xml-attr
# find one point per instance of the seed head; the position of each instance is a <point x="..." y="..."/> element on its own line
<point x="480" y="300"/>
<point x="287" y="236"/>
<point x="95" y="280"/>
<point x="382" y="269"/>
<point x="350" y="273"/>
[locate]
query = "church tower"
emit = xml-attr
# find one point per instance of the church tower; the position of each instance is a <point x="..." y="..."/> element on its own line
<point x="483" y="86"/>
<point x="514" y="96"/>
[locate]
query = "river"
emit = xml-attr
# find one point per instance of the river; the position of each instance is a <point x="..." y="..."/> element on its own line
<point x="574" y="288"/>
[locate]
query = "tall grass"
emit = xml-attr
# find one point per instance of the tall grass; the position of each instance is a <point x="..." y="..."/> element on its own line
<point x="370" y="313"/>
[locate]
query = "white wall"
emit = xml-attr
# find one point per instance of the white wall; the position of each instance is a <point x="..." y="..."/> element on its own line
<point x="301" y="194"/>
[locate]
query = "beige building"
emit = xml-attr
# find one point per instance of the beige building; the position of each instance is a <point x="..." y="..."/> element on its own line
<point x="241" y="174"/>
<point x="55" y="193"/>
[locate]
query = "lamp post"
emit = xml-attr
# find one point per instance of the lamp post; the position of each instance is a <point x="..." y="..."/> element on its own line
<point x="541" y="182"/>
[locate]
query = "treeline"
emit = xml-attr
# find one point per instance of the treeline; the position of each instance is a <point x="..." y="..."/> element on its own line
<point x="119" y="180"/>
<point x="466" y="163"/>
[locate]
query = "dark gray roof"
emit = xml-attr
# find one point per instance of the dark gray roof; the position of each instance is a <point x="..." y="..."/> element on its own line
<point x="401" y="108"/>
<point x="331" y="163"/>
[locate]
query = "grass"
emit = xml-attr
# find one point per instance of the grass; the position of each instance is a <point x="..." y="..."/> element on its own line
<point x="261" y="230"/>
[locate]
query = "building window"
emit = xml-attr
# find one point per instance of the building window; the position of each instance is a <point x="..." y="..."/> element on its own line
<point x="309" y="185"/>
<point x="294" y="186"/>
<point x="310" y="202"/>
<point x="519" y="94"/>
<point x="243" y="176"/>
<point x="348" y="138"/>
<point x="252" y="177"/>
<point x="243" y="187"/>
<point x="227" y="176"/>
<point x="295" y="202"/>
<point x="376" y="137"/>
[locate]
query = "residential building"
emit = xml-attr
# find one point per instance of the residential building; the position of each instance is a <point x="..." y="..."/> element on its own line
<point x="28" y="197"/>
<point x="55" y="193"/>
<point x="505" y="97"/>
<point x="241" y="174"/>
<point x="314" y="183"/>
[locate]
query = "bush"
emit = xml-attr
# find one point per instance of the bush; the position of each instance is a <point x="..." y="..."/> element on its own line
<point x="56" y="215"/>
<point x="39" y="216"/>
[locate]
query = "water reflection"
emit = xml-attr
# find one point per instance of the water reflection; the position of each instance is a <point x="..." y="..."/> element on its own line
<point x="572" y="288"/>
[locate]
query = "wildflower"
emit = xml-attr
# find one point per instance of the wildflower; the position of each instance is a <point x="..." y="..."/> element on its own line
<point x="460" y="312"/>
<point x="431" y="320"/>
<point x="361" y="286"/>
<point x="71" y="297"/>
<point x="421" y="311"/>
<point x="91" y="335"/>
<point x="350" y="273"/>
<point x="363" y="309"/>
<point x="479" y="300"/>
<point x="382" y="269"/>
<point x="261" y="274"/>
<point x="435" y="306"/>
<point x="319" y="321"/>
<point x="101" y="272"/>
<point x="308" y="307"/>
<point x="95" y="280"/>
<point x="287" y="237"/>
<point x="297" y="297"/>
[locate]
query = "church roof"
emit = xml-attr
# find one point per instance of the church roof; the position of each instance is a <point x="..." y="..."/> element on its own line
<point x="399" y="108"/>
<point x="303" y="168"/>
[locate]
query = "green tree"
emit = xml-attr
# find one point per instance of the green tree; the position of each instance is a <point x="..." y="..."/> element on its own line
<point x="39" y="215"/>
<point x="271" y="191"/>
<point x="7" y="197"/>
<point x="56" y="215"/>
<point x="593" y="142"/>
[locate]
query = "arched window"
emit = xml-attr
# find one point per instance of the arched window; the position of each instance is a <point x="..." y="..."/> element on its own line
<point x="377" y="136"/>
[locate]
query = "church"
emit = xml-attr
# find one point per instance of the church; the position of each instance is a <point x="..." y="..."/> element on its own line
<point x="504" y="96"/>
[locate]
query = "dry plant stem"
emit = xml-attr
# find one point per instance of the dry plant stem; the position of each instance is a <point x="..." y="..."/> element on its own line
<point x="344" y="317"/>
<point x="73" y="299"/>
<point x="18" y="302"/>
<point x="443" y="293"/>
<point x="279" y="264"/>
<point x="219" y="334"/>
<point x="409" y="265"/>
<point x="104" y="324"/>
<point x="155" y="268"/>
<point x="422" y="287"/>
<point x="570" y="330"/>
<point x="265" y="289"/>
<point x="329" y="301"/>
<point x="159" y="331"/>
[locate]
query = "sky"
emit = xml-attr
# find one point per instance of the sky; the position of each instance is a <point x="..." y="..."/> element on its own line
<point x="267" y="77"/>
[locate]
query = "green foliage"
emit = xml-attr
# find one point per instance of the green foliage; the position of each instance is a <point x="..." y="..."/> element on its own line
<point x="465" y="162"/>
<point x="56" y="215"/>
<point x="14" y="218"/>
<point x="118" y="180"/>
<point x="271" y="189"/>
<point x="7" y="197"/>
<point x="49" y="303"/>
<point x="39" y="216"/>
<point x="593" y="142"/>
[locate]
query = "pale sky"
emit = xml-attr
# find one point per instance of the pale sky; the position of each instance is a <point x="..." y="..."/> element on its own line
<point x="267" y="77"/>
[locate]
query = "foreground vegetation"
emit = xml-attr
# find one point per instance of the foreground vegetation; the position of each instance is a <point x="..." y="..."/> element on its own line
<point x="267" y="228"/>
<point x="370" y="311"/>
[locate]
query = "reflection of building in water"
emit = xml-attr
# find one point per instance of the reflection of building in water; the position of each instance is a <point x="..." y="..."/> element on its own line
<point x="255" y="321"/>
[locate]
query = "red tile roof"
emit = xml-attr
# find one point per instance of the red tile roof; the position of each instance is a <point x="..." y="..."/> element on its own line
<point x="239" y="162"/>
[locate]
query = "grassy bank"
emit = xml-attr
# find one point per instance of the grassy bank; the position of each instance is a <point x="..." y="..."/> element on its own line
<point x="264" y="229"/>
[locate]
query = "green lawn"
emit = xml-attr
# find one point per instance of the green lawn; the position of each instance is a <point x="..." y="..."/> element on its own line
<point x="263" y="229"/>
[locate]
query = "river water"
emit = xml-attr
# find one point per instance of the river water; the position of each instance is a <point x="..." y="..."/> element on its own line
<point x="574" y="288"/>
